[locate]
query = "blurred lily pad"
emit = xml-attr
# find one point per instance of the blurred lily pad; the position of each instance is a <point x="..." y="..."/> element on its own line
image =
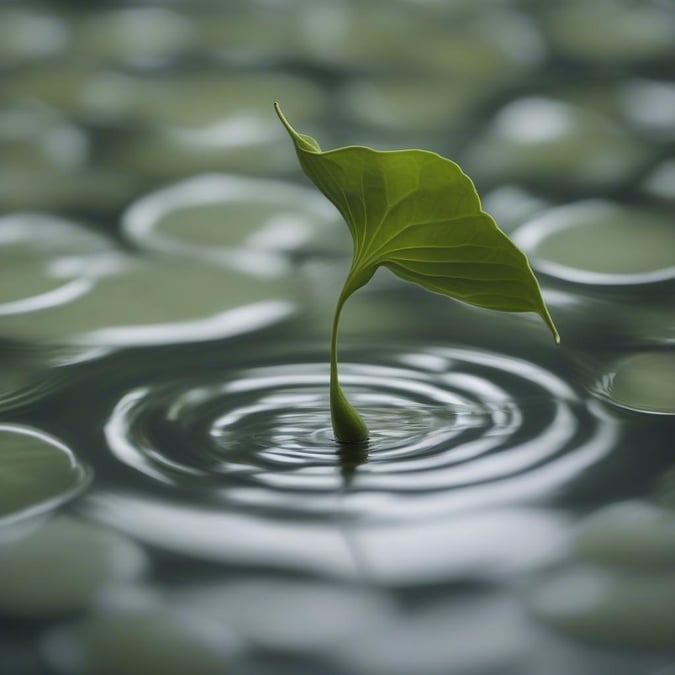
<point x="488" y="47"/>
<point x="84" y="187"/>
<point x="619" y="32"/>
<point x="30" y="235"/>
<point x="543" y="141"/>
<point x="632" y="533"/>
<point x="660" y="183"/>
<point x="135" y="35"/>
<point x="28" y="35"/>
<point x="213" y="123"/>
<point x="648" y="104"/>
<point x="138" y="642"/>
<point x="610" y="606"/>
<point x="601" y="242"/>
<point x="63" y="567"/>
<point x="208" y="106"/>
<point x="35" y="136"/>
<point x="224" y="217"/>
<point x="25" y="378"/>
<point x="234" y="34"/>
<point x="131" y="301"/>
<point x="29" y="242"/>
<point x="404" y="103"/>
<point x="37" y="473"/>
<point x="644" y="382"/>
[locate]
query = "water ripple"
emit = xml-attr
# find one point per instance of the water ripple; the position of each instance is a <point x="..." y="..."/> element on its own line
<point x="446" y="425"/>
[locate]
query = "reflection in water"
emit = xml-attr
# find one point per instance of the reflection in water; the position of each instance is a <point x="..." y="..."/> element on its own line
<point x="243" y="467"/>
<point x="490" y="544"/>
<point x="324" y="614"/>
<point x="474" y="428"/>
<point x="212" y="533"/>
<point x="480" y="634"/>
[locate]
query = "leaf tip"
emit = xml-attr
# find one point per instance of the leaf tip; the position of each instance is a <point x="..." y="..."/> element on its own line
<point x="282" y="118"/>
<point x="301" y="141"/>
<point x="549" y="322"/>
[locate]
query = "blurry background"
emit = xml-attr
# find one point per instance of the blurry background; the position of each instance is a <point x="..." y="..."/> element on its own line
<point x="167" y="280"/>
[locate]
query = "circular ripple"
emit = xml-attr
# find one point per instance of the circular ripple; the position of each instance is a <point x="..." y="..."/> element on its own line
<point x="446" y="425"/>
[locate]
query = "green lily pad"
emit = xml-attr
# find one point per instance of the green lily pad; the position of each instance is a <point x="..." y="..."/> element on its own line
<point x="85" y="187"/>
<point x="660" y="183"/>
<point x="136" y="35"/>
<point x="31" y="235"/>
<point x="137" y="642"/>
<point x="648" y="104"/>
<point x="37" y="473"/>
<point x="401" y="104"/>
<point x="65" y="566"/>
<point x="29" y="35"/>
<point x="488" y="47"/>
<point x="631" y="533"/>
<point x="189" y="124"/>
<point x="631" y="32"/>
<point x="133" y="302"/>
<point x="643" y="382"/>
<point x="601" y="242"/>
<point x="29" y="244"/>
<point x="25" y="378"/>
<point x="225" y="33"/>
<point x="611" y="606"/>
<point x="215" y="216"/>
<point x="35" y="137"/>
<point x="553" y="144"/>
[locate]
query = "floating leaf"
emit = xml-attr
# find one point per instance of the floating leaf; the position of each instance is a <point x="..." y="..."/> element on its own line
<point x="419" y="215"/>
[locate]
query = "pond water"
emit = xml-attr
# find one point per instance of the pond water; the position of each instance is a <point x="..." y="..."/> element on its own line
<point x="171" y="496"/>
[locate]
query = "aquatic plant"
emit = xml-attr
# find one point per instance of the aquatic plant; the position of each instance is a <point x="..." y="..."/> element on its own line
<point x="419" y="215"/>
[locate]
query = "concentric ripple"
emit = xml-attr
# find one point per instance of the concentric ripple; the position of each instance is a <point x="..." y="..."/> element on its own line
<point x="445" y="424"/>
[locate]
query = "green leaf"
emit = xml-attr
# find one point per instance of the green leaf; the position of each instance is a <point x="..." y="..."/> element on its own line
<point x="419" y="215"/>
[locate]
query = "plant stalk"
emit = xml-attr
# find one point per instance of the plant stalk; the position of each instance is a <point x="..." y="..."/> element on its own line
<point x="348" y="426"/>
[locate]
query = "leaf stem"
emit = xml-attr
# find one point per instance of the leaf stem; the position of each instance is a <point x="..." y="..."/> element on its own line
<point x="347" y="423"/>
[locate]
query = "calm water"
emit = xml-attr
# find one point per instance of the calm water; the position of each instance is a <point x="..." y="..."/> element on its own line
<point x="171" y="496"/>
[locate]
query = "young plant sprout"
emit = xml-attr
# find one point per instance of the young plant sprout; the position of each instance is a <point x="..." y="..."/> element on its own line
<point x="419" y="215"/>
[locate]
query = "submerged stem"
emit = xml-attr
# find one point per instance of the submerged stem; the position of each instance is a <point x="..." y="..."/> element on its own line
<point x="347" y="423"/>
